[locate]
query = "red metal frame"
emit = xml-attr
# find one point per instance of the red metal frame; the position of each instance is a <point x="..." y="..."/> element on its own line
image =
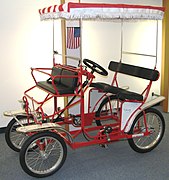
<point x="87" y="119"/>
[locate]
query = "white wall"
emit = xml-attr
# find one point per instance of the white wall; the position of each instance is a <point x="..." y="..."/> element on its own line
<point x="26" y="42"/>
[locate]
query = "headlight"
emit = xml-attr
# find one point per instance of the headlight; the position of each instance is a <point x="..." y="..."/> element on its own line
<point x="23" y="104"/>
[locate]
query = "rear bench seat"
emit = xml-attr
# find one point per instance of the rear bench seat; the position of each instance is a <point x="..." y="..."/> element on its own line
<point x="64" y="85"/>
<point x="122" y="94"/>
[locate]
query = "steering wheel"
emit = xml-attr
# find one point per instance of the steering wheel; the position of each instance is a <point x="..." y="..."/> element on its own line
<point x="95" y="67"/>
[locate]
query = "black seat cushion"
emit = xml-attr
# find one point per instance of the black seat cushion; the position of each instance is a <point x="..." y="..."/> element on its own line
<point x="69" y="81"/>
<point x="62" y="89"/>
<point x="120" y="93"/>
<point x="64" y="85"/>
<point x="55" y="72"/>
<point x="141" y="72"/>
<point x="129" y="95"/>
<point x="106" y="87"/>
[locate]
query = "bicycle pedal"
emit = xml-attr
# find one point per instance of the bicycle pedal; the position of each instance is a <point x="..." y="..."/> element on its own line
<point x="103" y="145"/>
<point x="107" y="129"/>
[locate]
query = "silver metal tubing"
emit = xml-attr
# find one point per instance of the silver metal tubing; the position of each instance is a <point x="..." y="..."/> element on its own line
<point x="81" y="26"/>
<point x="121" y="55"/>
<point x="156" y="43"/>
<point x="53" y="34"/>
<point x="71" y="57"/>
<point x="126" y="52"/>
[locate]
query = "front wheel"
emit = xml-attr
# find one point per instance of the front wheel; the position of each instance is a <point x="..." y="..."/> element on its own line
<point x="155" y="125"/>
<point x="48" y="156"/>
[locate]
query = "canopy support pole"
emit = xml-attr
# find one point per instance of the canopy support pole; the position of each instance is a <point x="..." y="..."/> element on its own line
<point x="64" y="58"/>
<point x="165" y="57"/>
<point x="121" y="55"/>
<point x="156" y="45"/>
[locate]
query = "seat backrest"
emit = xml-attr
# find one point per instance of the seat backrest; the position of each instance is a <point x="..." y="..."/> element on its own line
<point x="70" y="82"/>
<point x="141" y="72"/>
<point x="56" y="71"/>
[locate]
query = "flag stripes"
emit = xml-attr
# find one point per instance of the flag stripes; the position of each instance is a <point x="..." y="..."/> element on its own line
<point x="73" y="37"/>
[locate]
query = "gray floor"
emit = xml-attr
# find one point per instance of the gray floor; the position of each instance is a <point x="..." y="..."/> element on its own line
<point x="118" y="162"/>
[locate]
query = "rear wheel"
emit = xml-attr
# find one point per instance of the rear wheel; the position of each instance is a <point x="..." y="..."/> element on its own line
<point x="48" y="156"/>
<point x="156" y="127"/>
<point x="107" y="109"/>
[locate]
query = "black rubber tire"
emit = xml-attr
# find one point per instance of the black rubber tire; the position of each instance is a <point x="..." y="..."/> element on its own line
<point x="99" y="111"/>
<point x="155" y="136"/>
<point x="27" y="150"/>
<point x="15" y="144"/>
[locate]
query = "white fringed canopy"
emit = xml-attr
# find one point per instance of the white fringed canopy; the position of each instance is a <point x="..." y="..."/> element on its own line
<point x="93" y="11"/>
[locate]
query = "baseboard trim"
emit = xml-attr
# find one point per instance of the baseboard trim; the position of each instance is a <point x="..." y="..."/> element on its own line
<point x="2" y="130"/>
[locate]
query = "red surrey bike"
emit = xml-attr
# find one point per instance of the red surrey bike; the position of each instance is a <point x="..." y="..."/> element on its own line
<point x="117" y="114"/>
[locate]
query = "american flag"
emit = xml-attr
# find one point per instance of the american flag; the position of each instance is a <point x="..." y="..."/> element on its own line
<point x="73" y="37"/>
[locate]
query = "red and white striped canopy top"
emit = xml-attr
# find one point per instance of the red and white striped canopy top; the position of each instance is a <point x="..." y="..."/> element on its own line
<point x="87" y="11"/>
